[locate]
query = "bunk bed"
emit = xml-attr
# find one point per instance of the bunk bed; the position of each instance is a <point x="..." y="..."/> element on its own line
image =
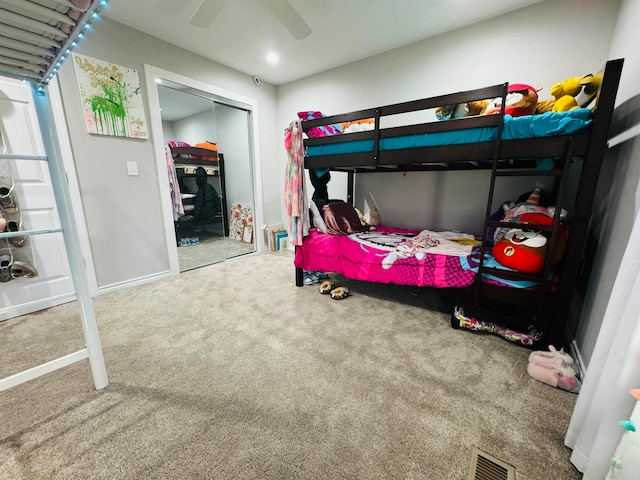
<point x="186" y="159"/>
<point x="481" y="292"/>
<point x="36" y="37"/>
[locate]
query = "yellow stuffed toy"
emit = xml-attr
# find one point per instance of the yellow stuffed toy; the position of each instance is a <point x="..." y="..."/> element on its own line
<point x="575" y="92"/>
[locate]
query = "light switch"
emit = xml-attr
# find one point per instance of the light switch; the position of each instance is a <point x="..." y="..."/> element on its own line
<point x="132" y="169"/>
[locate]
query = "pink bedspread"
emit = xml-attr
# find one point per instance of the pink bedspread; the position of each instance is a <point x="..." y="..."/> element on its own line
<point x="363" y="261"/>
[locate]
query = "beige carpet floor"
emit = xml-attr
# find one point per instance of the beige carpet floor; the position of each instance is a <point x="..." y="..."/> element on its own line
<point x="232" y="372"/>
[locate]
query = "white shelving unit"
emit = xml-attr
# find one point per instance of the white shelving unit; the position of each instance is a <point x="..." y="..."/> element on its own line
<point x="34" y="46"/>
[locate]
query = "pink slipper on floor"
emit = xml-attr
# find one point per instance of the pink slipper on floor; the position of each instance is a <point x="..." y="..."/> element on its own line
<point x="563" y="378"/>
<point x="3" y="223"/>
<point x="552" y="354"/>
<point x="556" y="362"/>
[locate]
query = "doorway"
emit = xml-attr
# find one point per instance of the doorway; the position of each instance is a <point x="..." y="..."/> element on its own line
<point x="196" y="115"/>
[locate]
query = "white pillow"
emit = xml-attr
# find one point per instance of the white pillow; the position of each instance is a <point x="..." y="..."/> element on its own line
<point x="318" y="221"/>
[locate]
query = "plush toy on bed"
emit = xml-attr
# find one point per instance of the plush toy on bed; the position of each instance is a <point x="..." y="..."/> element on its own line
<point x="521" y="100"/>
<point x="573" y="93"/>
<point x="525" y="249"/>
<point x="468" y="109"/>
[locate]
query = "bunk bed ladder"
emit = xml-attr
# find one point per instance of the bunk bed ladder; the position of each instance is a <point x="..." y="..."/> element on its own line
<point x="539" y="319"/>
<point x="487" y="216"/>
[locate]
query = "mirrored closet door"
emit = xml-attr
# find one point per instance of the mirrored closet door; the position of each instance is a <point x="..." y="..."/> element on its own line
<point x="209" y="145"/>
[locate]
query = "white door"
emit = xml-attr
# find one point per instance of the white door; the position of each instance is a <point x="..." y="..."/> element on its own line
<point x="36" y="210"/>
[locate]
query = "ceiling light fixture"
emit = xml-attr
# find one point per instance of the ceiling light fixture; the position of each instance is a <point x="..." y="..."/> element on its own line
<point x="272" y="58"/>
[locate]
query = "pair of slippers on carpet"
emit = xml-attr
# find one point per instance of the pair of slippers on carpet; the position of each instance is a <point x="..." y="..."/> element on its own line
<point x="554" y="368"/>
<point x="337" y="293"/>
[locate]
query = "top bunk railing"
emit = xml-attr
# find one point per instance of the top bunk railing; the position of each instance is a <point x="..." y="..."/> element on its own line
<point x="452" y="156"/>
<point x="392" y="113"/>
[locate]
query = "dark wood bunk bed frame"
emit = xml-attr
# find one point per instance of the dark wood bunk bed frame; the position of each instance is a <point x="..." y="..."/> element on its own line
<point x="544" y="309"/>
<point x="194" y="157"/>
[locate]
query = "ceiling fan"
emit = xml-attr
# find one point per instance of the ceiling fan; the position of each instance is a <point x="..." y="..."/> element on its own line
<point x="207" y="11"/>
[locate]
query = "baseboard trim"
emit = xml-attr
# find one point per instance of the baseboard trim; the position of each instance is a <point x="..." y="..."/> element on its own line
<point x="135" y="282"/>
<point x="579" y="363"/>
<point x="35" y="306"/>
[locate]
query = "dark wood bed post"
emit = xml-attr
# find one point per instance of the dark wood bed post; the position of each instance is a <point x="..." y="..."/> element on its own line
<point x="584" y="199"/>
<point x="350" y="189"/>
<point x="299" y="274"/>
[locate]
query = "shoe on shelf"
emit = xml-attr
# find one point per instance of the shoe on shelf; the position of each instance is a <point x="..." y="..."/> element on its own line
<point x="8" y="198"/>
<point x="6" y="261"/>
<point x="23" y="270"/>
<point x="13" y="226"/>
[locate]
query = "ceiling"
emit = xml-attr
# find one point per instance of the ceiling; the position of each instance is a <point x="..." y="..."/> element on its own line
<point x="343" y="31"/>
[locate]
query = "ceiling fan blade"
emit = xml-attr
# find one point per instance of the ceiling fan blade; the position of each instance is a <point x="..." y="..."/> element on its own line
<point x="290" y="18"/>
<point x="206" y="12"/>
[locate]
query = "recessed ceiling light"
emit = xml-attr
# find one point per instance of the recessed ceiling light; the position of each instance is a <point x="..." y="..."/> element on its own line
<point x="273" y="58"/>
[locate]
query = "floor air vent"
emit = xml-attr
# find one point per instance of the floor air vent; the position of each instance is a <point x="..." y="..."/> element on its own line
<point x="486" y="467"/>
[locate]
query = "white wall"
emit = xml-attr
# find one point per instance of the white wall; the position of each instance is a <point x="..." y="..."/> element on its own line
<point x="123" y="214"/>
<point x="538" y="45"/>
<point x="233" y="141"/>
<point x="168" y="131"/>
<point x="196" y="129"/>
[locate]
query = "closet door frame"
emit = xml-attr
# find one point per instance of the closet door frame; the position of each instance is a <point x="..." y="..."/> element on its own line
<point x="155" y="75"/>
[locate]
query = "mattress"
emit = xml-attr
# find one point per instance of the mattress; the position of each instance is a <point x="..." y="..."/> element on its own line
<point x="373" y="257"/>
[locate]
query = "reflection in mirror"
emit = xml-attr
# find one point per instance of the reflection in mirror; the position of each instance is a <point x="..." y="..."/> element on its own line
<point x="209" y="145"/>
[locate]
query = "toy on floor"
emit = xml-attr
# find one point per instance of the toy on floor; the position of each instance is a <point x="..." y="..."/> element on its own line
<point x="460" y="320"/>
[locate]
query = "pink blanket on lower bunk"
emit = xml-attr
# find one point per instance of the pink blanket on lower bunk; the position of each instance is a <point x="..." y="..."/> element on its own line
<point x="400" y="256"/>
<point x="374" y="257"/>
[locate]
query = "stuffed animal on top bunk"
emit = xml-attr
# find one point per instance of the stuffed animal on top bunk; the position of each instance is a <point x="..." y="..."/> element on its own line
<point x="461" y="110"/>
<point x="521" y="100"/>
<point x="525" y="249"/>
<point x="574" y="92"/>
